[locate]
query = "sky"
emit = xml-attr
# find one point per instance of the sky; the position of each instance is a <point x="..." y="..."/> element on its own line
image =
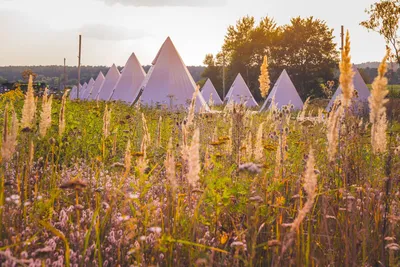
<point x="44" y="32"/>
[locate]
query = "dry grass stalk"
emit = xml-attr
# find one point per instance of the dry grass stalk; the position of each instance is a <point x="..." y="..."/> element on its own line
<point x="259" y="149"/>
<point x="61" y="120"/>
<point x="29" y="109"/>
<point x="249" y="145"/>
<point x="346" y="74"/>
<point x="31" y="153"/>
<point x="302" y="114"/>
<point x="170" y="166"/>
<point x="333" y="124"/>
<point x="106" y="122"/>
<point x="190" y="117"/>
<point x="159" y="132"/>
<point x="194" y="159"/>
<point x="310" y="186"/>
<point x="377" y="102"/>
<point x="128" y="158"/>
<point x="9" y="142"/>
<point x="146" y="134"/>
<point x="264" y="78"/>
<point x="45" y="115"/>
<point x="210" y="101"/>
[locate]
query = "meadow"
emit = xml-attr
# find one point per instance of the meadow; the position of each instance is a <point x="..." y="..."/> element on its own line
<point x="99" y="184"/>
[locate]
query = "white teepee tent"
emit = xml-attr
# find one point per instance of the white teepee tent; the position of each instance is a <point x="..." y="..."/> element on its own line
<point x="208" y="91"/>
<point x="87" y="89"/>
<point x="90" y="95"/>
<point x="361" y="101"/>
<point x="108" y="85"/>
<point x="240" y="93"/>
<point x="74" y="90"/>
<point x="129" y="83"/>
<point x="283" y="93"/>
<point x="169" y="82"/>
<point x="74" y="94"/>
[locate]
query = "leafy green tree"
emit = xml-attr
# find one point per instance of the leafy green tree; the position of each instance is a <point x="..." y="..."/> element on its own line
<point x="384" y="18"/>
<point x="308" y="53"/>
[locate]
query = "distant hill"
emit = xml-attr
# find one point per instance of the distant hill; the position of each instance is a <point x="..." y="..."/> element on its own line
<point x="52" y="75"/>
<point x="375" y="65"/>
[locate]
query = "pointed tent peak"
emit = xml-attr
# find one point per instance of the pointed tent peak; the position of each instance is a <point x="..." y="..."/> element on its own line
<point x="208" y="91"/>
<point x="100" y="75"/>
<point x="167" y="45"/>
<point x="240" y="92"/>
<point x="133" y="65"/>
<point x="113" y="71"/>
<point x="91" y="80"/>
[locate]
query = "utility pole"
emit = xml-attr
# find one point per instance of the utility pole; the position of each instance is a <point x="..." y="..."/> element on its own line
<point x="342" y="39"/>
<point x="65" y="74"/>
<point x="79" y="65"/>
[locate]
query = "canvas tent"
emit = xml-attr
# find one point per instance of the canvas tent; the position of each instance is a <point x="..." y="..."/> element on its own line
<point x="108" y="85"/>
<point x="169" y="82"/>
<point x="91" y="94"/>
<point x="240" y="93"/>
<point x="87" y="89"/>
<point x="283" y="93"/>
<point x="129" y="82"/>
<point x="72" y="94"/>
<point x="362" y="91"/>
<point x="208" y="91"/>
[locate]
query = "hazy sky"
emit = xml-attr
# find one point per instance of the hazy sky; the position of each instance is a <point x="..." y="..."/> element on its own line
<point x="43" y="32"/>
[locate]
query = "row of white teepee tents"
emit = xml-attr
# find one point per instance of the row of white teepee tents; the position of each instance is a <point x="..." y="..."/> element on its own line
<point x="283" y="93"/>
<point x="169" y="83"/>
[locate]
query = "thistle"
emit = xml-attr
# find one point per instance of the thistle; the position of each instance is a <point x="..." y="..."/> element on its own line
<point x="264" y="78"/>
<point x="346" y="74"/>
<point x="377" y="114"/>
<point x="194" y="159"/>
<point x="61" y="120"/>
<point x="45" y="115"/>
<point x="29" y="109"/>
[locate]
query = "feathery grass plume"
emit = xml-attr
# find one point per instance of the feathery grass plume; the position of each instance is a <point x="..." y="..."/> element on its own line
<point x="194" y="159"/>
<point x="377" y="113"/>
<point x="61" y="120"/>
<point x="249" y="145"/>
<point x="264" y="78"/>
<point x="146" y="134"/>
<point x="210" y="101"/>
<point x="159" y="132"/>
<point x="9" y="136"/>
<point x="320" y="118"/>
<point x="169" y="164"/>
<point x="31" y="153"/>
<point x="45" y="115"/>
<point x="346" y="74"/>
<point x="259" y="150"/>
<point x="29" y="109"/>
<point x="302" y="115"/>
<point x="128" y="158"/>
<point x="190" y="116"/>
<point x="310" y="186"/>
<point x="333" y="124"/>
<point x="106" y="121"/>
<point x="141" y="162"/>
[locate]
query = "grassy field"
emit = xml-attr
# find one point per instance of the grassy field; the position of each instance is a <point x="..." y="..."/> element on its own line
<point x="147" y="187"/>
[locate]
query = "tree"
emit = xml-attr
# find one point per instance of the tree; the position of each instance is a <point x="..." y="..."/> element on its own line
<point x="308" y="53"/>
<point x="264" y="78"/>
<point x="304" y="47"/>
<point x="384" y="18"/>
<point x="28" y="72"/>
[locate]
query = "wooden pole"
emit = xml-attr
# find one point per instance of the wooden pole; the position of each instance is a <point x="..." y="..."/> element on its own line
<point x="79" y="65"/>
<point x="65" y="74"/>
<point x="342" y="39"/>
<point x="223" y="77"/>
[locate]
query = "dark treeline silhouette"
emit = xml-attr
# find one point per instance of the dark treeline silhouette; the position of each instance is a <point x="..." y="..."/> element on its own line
<point x="54" y="75"/>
